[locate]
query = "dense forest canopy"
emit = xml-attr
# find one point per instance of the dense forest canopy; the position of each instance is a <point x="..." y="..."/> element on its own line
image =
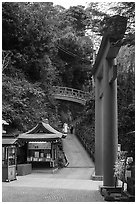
<point x="45" y="45"/>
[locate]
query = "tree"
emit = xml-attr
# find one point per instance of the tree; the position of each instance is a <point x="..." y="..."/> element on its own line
<point x="127" y="9"/>
<point x="29" y="30"/>
<point x="100" y="11"/>
<point x="75" y="47"/>
<point x="34" y="36"/>
<point x="126" y="97"/>
<point x="10" y="12"/>
<point x="78" y="19"/>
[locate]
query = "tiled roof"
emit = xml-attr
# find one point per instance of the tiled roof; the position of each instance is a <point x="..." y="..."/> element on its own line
<point x="41" y="131"/>
<point x="39" y="136"/>
<point x="6" y="141"/>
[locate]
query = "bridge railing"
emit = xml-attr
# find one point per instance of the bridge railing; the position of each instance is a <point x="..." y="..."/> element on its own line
<point x="70" y="92"/>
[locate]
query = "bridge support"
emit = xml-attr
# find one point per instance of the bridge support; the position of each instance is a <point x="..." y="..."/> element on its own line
<point x="106" y="130"/>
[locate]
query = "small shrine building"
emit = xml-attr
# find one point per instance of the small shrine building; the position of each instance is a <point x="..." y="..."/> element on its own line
<point x="41" y="145"/>
<point x="9" y="153"/>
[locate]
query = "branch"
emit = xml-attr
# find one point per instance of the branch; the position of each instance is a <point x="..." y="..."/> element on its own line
<point x="6" y="56"/>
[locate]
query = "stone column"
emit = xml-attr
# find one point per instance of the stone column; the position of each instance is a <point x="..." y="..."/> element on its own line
<point x="110" y="134"/>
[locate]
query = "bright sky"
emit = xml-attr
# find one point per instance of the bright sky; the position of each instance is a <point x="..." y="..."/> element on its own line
<point x="68" y="3"/>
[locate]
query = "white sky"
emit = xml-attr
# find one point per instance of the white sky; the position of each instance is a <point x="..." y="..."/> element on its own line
<point x="68" y="3"/>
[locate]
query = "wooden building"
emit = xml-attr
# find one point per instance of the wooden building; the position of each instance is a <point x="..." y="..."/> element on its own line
<point x="9" y="154"/>
<point x="41" y="145"/>
<point x="9" y="151"/>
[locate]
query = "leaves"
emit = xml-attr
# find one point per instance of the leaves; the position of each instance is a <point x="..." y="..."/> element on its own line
<point x="126" y="97"/>
<point x="104" y="10"/>
<point x="54" y="46"/>
<point x="22" y="101"/>
<point x="120" y="165"/>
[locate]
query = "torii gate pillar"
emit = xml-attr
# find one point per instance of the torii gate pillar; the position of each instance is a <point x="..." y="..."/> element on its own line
<point x="106" y="121"/>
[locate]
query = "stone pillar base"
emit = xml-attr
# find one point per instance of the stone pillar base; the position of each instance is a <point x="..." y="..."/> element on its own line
<point x="111" y="189"/>
<point x="96" y="177"/>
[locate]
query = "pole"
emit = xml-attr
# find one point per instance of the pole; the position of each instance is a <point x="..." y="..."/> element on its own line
<point x="98" y="131"/>
<point x="110" y="133"/>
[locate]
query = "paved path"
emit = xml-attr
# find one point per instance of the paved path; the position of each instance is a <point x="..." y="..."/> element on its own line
<point x="76" y="153"/>
<point x="39" y="188"/>
<point x="31" y="194"/>
<point x="71" y="184"/>
<point x="80" y="164"/>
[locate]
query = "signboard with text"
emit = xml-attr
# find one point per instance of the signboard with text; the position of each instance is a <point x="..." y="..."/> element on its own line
<point x="39" y="145"/>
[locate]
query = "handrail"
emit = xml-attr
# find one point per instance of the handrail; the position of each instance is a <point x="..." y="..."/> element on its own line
<point x="71" y="93"/>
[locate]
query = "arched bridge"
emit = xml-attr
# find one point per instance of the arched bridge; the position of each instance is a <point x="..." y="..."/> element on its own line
<point x="69" y="94"/>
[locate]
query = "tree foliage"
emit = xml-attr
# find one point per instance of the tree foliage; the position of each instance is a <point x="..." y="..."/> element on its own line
<point x="76" y="52"/>
<point x="31" y="34"/>
<point x="45" y="45"/>
<point x="104" y="10"/>
<point x="34" y="35"/>
<point x="78" y="19"/>
<point x="22" y="101"/>
<point x="127" y="9"/>
<point x="126" y="97"/>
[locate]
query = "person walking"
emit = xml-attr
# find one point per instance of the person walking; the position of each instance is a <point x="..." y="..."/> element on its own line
<point x="71" y="129"/>
<point x="65" y="128"/>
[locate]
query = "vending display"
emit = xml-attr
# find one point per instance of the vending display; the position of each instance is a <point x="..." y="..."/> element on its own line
<point x="8" y="163"/>
<point x="39" y="152"/>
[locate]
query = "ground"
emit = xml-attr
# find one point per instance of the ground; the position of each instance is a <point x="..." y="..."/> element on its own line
<point x="70" y="184"/>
